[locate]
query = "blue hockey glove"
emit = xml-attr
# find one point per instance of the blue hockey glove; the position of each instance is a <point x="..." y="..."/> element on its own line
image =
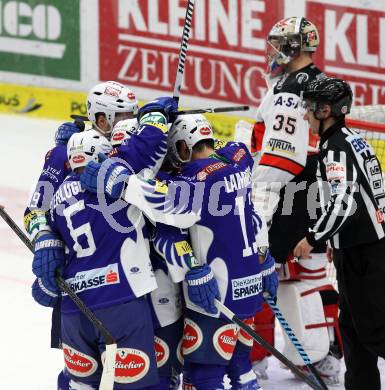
<point x="114" y="176"/>
<point x="48" y="256"/>
<point x="269" y="275"/>
<point x="43" y="295"/>
<point x="65" y="130"/>
<point x="165" y="105"/>
<point x="202" y="288"/>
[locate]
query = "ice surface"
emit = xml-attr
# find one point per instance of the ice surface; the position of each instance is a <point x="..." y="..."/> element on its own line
<point x="26" y="360"/>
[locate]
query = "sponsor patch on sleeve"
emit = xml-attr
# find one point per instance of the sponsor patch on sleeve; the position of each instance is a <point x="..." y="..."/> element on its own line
<point x="182" y="248"/>
<point x="238" y="155"/>
<point x="209" y="169"/>
<point x="161" y="187"/>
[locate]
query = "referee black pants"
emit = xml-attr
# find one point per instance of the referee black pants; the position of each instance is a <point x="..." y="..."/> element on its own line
<point x="361" y="284"/>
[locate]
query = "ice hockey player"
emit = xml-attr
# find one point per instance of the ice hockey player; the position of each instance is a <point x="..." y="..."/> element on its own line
<point x="352" y="221"/>
<point x="226" y="269"/>
<point x="111" y="98"/>
<point x="98" y="269"/>
<point x="55" y="169"/>
<point x="285" y="171"/>
<point x="108" y="103"/>
<point x="166" y="301"/>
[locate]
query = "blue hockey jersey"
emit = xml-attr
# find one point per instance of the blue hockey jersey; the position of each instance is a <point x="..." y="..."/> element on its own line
<point x="108" y="252"/>
<point x="108" y="255"/>
<point x="225" y="236"/>
<point x="56" y="168"/>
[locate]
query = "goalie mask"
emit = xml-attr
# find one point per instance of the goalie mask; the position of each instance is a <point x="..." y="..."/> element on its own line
<point x="188" y="128"/>
<point x="123" y="130"/>
<point x="287" y="39"/>
<point x="85" y="147"/>
<point x="110" y="98"/>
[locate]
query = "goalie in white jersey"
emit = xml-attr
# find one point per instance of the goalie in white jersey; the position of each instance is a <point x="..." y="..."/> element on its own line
<point x="280" y="143"/>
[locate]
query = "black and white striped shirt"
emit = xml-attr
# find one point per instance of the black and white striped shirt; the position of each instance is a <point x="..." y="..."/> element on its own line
<point x="352" y="195"/>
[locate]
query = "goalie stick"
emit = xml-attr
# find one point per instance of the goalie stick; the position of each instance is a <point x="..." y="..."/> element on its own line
<point x="108" y="374"/>
<point x="263" y="343"/>
<point x="185" y="112"/>
<point x="297" y="345"/>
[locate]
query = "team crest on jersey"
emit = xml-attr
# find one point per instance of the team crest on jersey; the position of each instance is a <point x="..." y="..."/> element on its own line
<point x="162" y="351"/>
<point x="192" y="337"/>
<point x="243" y="337"/>
<point x="225" y="339"/>
<point x="78" y="363"/>
<point x="131" y="365"/>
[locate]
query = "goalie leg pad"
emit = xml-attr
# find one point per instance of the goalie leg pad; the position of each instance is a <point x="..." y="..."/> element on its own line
<point x="305" y="315"/>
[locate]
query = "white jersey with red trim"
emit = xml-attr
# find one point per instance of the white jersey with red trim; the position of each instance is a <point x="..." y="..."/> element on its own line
<point x="283" y="146"/>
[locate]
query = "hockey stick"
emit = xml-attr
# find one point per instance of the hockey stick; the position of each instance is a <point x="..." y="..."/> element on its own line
<point x="183" y="49"/>
<point x="108" y="375"/>
<point x="263" y="343"/>
<point x="185" y="112"/>
<point x="305" y="357"/>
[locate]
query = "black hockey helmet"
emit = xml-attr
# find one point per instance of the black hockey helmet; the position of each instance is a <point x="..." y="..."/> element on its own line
<point x="328" y="90"/>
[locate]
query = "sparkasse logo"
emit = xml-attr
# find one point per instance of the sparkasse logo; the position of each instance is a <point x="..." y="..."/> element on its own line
<point x="40" y="38"/>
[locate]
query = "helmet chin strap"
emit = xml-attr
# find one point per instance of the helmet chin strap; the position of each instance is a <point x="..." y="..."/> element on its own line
<point x="106" y="134"/>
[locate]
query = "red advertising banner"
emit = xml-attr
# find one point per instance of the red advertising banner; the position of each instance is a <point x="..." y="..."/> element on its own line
<point x="140" y="42"/>
<point x="352" y="47"/>
<point x="140" y="39"/>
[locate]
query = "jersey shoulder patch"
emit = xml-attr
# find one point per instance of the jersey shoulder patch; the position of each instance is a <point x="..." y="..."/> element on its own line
<point x="210" y="169"/>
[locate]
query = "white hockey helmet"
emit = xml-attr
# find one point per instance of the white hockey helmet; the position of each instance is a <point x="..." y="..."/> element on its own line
<point x="110" y="98"/>
<point x="123" y="130"/>
<point x="85" y="146"/>
<point x="287" y="39"/>
<point x="188" y="128"/>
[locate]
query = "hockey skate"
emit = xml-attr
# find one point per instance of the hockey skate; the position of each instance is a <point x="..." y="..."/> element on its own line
<point x="329" y="368"/>
<point x="260" y="368"/>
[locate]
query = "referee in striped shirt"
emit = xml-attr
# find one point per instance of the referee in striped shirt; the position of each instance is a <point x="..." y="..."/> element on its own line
<point x="351" y="221"/>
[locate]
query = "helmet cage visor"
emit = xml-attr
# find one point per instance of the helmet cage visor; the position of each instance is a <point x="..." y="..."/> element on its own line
<point x="280" y="50"/>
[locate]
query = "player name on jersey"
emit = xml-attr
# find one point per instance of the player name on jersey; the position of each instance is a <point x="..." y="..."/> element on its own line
<point x="238" y="180"/>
